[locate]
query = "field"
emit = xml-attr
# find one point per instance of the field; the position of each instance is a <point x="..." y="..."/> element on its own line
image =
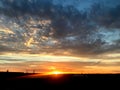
<point x="26" y="81"/>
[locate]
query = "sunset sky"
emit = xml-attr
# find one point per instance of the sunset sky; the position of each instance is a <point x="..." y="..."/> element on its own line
<point x="81" y="36"/>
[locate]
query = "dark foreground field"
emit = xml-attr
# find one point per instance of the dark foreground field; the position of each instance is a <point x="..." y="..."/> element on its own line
<point x="22" y="81"/>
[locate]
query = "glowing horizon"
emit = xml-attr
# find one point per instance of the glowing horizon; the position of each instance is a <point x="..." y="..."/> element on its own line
<point x="66" y="64"/>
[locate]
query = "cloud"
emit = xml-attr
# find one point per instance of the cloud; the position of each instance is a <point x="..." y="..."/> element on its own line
<point x="5" y="49"/>
<point x="106" y="17"/>
<point x="43" y="26"/>
<point x="78" y="67"/>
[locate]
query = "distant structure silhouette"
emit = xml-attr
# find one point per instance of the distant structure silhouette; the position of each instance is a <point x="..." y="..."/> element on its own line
<point x="7" y="70"/>
<point x="26" y="71"/>
<point x="30" y="71"/>
<point x="33" y="71"/>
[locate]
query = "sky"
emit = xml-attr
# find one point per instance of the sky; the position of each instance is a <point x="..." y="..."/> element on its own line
<point x="81" y="36"/>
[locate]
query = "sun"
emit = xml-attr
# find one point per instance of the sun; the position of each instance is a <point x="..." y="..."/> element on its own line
<point x="56" y="72"/>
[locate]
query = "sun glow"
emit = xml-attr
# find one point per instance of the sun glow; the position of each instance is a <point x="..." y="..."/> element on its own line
<point x="56" y="72"/>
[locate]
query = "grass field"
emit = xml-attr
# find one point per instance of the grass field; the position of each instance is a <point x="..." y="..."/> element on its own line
<point x="26" y="81"/>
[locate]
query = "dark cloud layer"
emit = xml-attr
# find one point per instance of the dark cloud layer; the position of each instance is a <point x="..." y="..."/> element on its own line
<point x="45" y="26"/>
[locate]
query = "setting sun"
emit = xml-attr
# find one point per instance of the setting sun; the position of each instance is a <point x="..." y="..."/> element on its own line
<point x="56" y="72"/>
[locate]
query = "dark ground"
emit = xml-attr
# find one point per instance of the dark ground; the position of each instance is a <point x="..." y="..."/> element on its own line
<point x="23" y="81"/>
